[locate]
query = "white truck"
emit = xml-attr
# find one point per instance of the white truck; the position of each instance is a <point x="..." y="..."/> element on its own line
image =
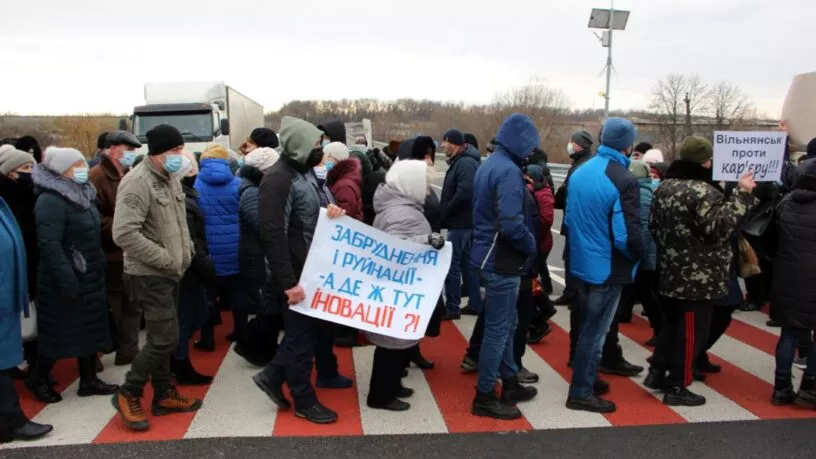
<point x="204" y="112"/>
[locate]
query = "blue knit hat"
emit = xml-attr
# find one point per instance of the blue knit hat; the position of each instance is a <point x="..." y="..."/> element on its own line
<point x="618" y="134"/>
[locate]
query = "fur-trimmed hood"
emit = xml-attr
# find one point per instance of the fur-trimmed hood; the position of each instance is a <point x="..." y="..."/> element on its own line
<point x="82" y="196"/>
<point x="347" y="169"/>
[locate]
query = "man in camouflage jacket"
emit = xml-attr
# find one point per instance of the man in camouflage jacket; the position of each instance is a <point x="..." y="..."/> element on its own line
<point x="691" y="221"/>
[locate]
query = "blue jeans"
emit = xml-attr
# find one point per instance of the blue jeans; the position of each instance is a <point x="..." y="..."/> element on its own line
<point x="500" y="318"/>
<point x="789" y="339"/>
<point x="601" y="304"/>
<point x="462" y="241"/>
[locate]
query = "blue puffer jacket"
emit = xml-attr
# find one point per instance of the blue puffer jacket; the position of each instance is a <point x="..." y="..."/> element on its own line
<point x="603" y="216"/>
<point x="13" y="289"/>
<point x="220" y="204"/>
<point x="649" y="262"/>
<point x="502" y="242"/>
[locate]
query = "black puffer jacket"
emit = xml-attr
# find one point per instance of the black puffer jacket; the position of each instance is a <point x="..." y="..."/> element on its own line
<point x="202" y="269"/>
<point x="72" y="309"/>
<point x="251" y="254"/>
<point x="793" y="293"/>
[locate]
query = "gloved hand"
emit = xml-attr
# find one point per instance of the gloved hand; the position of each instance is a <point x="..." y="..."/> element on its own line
<point x="436" y="241"/>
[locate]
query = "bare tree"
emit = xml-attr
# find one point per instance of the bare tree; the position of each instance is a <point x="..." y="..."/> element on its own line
<point x="544" y="104"/>
<point x="727" y="104"/>
<point x="673" y="99"/>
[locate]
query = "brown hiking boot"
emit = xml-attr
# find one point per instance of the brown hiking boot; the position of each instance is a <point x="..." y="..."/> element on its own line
<point x="172" y="402"/>
<point x="130" y="410"/>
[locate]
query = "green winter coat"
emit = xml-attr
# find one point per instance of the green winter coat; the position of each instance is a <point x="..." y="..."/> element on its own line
<point x="72" y="310"/>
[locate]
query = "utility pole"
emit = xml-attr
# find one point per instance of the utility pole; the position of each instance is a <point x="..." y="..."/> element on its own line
<point x="609" y="60"/>
<point x="687" y="100"/>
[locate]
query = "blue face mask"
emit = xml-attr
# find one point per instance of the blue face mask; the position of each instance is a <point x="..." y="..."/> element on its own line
<point x="655" y="183"/>
<point x="172" y="163"/>
<point x="325" y="142"/>
<point x="128" y="158"/>
<point x="240" y="162"/>
<point x="81" y="175"/>
<point x="329" y="165"/>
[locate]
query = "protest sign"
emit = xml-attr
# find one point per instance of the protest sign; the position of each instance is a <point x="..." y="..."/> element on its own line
<point x="358" y="276"/>
<point x="736" y="153"/>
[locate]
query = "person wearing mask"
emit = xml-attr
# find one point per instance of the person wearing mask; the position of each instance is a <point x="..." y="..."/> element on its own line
<point x="399" y="206"/>
<point x="14" y="425"/>
<point x="199" y="276"/>
<point x="344" y="179"/>
<point x="502" y="246"/>
<point x="150" y="225"/>
<point x="17" y="189"/>
<point x="29" y="144"/>
<point x="603" y="208"/>
<point x="260" y="138"/>
<point x="286" y="234"/>
<point x="72" y="315"/>
<point x="100" y="150"/>
<point x="457" y="218"/>
<point x="580" y="150"/>
<point x="115" y="159"/>
<point x="692" y="223"/>
<point x="263" y="328"/>
<point x="653" y="156"/>
<point x="640" y="151"/>
<point x="793" y="290"/>
<point x="646" y="278"/>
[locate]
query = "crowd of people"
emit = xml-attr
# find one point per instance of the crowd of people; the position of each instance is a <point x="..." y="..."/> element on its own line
<point x="167" y="241"/>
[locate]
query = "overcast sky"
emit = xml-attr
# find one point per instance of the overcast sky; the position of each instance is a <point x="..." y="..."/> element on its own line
<point x="71" y="56"/>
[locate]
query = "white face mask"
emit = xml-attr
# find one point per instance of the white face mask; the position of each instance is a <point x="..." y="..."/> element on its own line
<point x="570" y="148"/>
<point x="321" y="172"/>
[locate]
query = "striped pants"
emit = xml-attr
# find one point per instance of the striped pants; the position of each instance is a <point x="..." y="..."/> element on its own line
<point x="683" y="337"/>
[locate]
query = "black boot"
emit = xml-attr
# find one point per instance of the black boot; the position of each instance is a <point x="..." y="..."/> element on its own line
<point x="488" y="405"/>
<point x="186" y="375"/>
<point x="680" y="396"/>
<point x="655" y="380"/>
<point x="513" y="392"/>
<point x="806" y="397"/>
<point x="783" y="393"/>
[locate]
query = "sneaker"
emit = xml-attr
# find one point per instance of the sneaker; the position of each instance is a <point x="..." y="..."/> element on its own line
<point x="680" y="396"/>
<point x="338" y="382"/>
<point x="488" y="405"/>
<point x="393" y="405"/>
<point x="800" y="363"/>
<point x="469" y="365"/>
<point x="526" y="376"/>
<point x="130" y="409"/>
<point x="273" y="389"/>
<point x="97" y="387"/>
<point x="620" y="368"/>
<point x="513" y="392"/>
<point x="317" y="414"/>
<point x="171" y="401"/>
<point x="593" y="404"/>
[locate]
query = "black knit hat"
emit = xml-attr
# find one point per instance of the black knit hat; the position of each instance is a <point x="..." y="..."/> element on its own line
<point x="643" y="147"/>
<point x="420" y="147"/>
<point x="162" y="139"/>
<point x="264" y="138"/>
<point x="455" y="137"/>
<point x="470" y="139"/>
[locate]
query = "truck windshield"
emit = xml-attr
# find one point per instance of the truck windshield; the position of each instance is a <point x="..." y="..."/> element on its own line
<point x="196" y="127"/>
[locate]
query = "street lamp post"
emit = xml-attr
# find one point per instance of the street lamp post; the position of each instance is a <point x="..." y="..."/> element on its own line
<point x="609" y="20"/>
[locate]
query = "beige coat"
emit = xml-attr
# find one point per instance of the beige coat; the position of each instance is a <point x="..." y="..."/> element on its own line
<point x="150" y="223"/>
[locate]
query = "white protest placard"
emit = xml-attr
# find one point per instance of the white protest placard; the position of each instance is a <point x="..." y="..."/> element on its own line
<point x="361" y="277"/>
<point x="736" y="153"/>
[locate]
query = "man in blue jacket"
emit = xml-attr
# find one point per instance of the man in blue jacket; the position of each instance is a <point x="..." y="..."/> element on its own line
<point x="502" y="247"/>
<point x="457" y="218"/>
<point x="605" y="245"/>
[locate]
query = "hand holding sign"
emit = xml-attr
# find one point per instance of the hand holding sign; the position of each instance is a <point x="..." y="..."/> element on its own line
<point x="295" y="295"/>
<point x="747" y="182"/>
<point x="334" y="211"/>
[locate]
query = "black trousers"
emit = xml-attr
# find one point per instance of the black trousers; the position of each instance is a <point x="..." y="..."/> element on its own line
<point x="87" y="369"/>
<point x="11" y="415"/>
<point x="720" y="321"/>
<point x="524" y="308"/>
<point x="262" y="335"/>
<point x="684" y="336"/>
<point x="386" y="375"/>
<point x="226" y="294"/>
<point x="646" y="292"/>
<point x="296" y="355"/>
<point x="325" y="360"/>
<point x="612" y="352"/>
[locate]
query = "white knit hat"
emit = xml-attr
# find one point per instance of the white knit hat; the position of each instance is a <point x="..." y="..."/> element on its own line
<point x="262" y="158"/>
<point x="60" y="160"/>
<point x="653" y="156"/>
<point x="409" y="177"/>
<point x="337" y="150"/>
